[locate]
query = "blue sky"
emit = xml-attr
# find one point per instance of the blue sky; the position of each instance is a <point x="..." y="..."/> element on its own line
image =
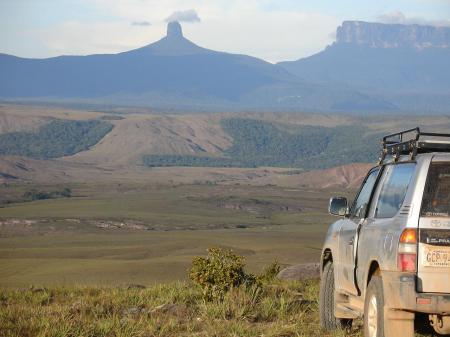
<point x="274" y="30"/>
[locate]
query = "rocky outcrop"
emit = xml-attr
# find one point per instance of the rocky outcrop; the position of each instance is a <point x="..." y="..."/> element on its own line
<point x="174" y="30"/>
<point x="300" y="272"/>
<point x="379" y="35"/>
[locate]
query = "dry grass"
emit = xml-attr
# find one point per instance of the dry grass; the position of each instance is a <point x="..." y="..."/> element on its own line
<point x="177" y="309"/>
<point x="276" y="309"/>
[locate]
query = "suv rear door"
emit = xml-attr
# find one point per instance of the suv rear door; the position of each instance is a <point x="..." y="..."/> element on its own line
<point x="433" y="263"/>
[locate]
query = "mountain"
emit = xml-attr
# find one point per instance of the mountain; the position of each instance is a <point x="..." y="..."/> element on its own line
<point x="173" y="64"/>
<point x="172" y="73"/>
<point x="397" y="62"/>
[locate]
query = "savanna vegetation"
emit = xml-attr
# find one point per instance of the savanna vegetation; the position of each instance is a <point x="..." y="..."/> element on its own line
<point x="14" y="194"/>
<point x="219" y="301"/>
<point x="222" y="299"/>
<point x="56" y="139"/>
<point x="260" y="143"/>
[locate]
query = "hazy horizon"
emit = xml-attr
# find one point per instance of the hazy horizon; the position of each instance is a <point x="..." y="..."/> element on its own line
<point x="271" y="30"/>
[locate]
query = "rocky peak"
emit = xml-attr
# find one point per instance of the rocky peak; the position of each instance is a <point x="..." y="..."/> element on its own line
<point x="174" y="30"/>
<point x="379" y="35"/>
<point x="173" y="44"/>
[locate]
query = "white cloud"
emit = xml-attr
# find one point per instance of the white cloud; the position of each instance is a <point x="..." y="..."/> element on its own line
<point x="189" y="15"/>
<point x="392" y="17"/>
<point x="141" y="23"/>
<point x="400" y="18"/>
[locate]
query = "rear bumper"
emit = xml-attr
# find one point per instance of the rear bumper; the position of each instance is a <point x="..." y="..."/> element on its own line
<point x="400" y="294"/>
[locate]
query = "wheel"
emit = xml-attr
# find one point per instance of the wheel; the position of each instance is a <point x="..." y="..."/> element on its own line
<point x="326" y="301"/>
<point x="373" y="309"/>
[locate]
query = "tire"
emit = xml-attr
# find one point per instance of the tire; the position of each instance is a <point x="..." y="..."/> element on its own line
<point x="326" y="301"/>
<point x="374" y="309"/>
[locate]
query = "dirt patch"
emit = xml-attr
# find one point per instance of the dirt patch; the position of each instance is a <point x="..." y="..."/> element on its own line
<point x="10" y="227"/>
<point x="253" y="205"/>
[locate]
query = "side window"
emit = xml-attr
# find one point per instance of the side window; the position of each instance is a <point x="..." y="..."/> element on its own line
<point x="361" y="203"/>
<point x="394" y="189"/>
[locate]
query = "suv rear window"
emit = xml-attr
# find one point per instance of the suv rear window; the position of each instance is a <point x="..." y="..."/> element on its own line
<point x="436" y="197"/>
<point x="393" y="190"/>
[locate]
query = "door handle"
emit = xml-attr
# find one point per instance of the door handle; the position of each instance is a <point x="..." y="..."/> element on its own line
<point x="351" y="241"/>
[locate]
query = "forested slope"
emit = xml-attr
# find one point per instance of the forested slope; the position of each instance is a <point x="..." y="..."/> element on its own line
<point x="261" y="143"/>
<point x="56" y="139"/>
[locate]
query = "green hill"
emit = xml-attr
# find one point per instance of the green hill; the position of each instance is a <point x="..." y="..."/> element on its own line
<point x="260" y="143"/>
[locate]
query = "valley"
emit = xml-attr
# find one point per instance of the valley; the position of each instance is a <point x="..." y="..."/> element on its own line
<point x="104" y="216"/>
<point x="131" y="140"/>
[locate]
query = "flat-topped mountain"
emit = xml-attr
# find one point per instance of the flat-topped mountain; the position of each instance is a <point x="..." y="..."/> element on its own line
<point x="408" y="65"/>
<point x="379" y="35"/>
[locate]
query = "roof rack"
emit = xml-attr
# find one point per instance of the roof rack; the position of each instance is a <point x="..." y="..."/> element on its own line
<point x="413" y="141"/>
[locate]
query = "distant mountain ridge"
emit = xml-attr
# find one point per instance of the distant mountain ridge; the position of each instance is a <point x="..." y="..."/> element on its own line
<point x="172" y="66"/>
<point x="355" y="74"/>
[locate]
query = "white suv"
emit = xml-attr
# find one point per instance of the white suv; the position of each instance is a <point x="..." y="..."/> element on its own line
<point x="388" y="257"/>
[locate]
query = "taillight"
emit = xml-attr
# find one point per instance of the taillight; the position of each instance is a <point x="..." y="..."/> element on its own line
<point x="409" y="235"/>
<point x="407" y="250"/>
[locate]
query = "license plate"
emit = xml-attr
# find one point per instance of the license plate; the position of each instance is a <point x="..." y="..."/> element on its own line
<point x="436" y="257"/>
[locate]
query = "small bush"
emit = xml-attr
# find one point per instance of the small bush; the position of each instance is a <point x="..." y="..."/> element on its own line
<point x="33" y="194"/>
<point x="221" y="271"/>
<point x="270" y="272"/>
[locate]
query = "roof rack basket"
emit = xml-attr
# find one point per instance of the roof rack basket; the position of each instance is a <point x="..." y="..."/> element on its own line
<point x="413" y="141"/>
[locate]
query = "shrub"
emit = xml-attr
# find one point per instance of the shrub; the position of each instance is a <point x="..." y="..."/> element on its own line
<point x="34" y="194"/>
<point x="221" y="271"/>
<point x="66" y="192"/>
<point x="270" y="272"/>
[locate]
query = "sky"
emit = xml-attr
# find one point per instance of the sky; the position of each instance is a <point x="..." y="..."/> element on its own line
<point x="274" y="30"/>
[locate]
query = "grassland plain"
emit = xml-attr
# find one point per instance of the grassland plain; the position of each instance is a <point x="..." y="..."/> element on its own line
<point x="117" y="234"/>
<point x="67" y="269"/>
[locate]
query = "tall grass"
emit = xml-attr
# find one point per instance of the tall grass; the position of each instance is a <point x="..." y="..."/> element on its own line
<point x="177" y="309"/>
